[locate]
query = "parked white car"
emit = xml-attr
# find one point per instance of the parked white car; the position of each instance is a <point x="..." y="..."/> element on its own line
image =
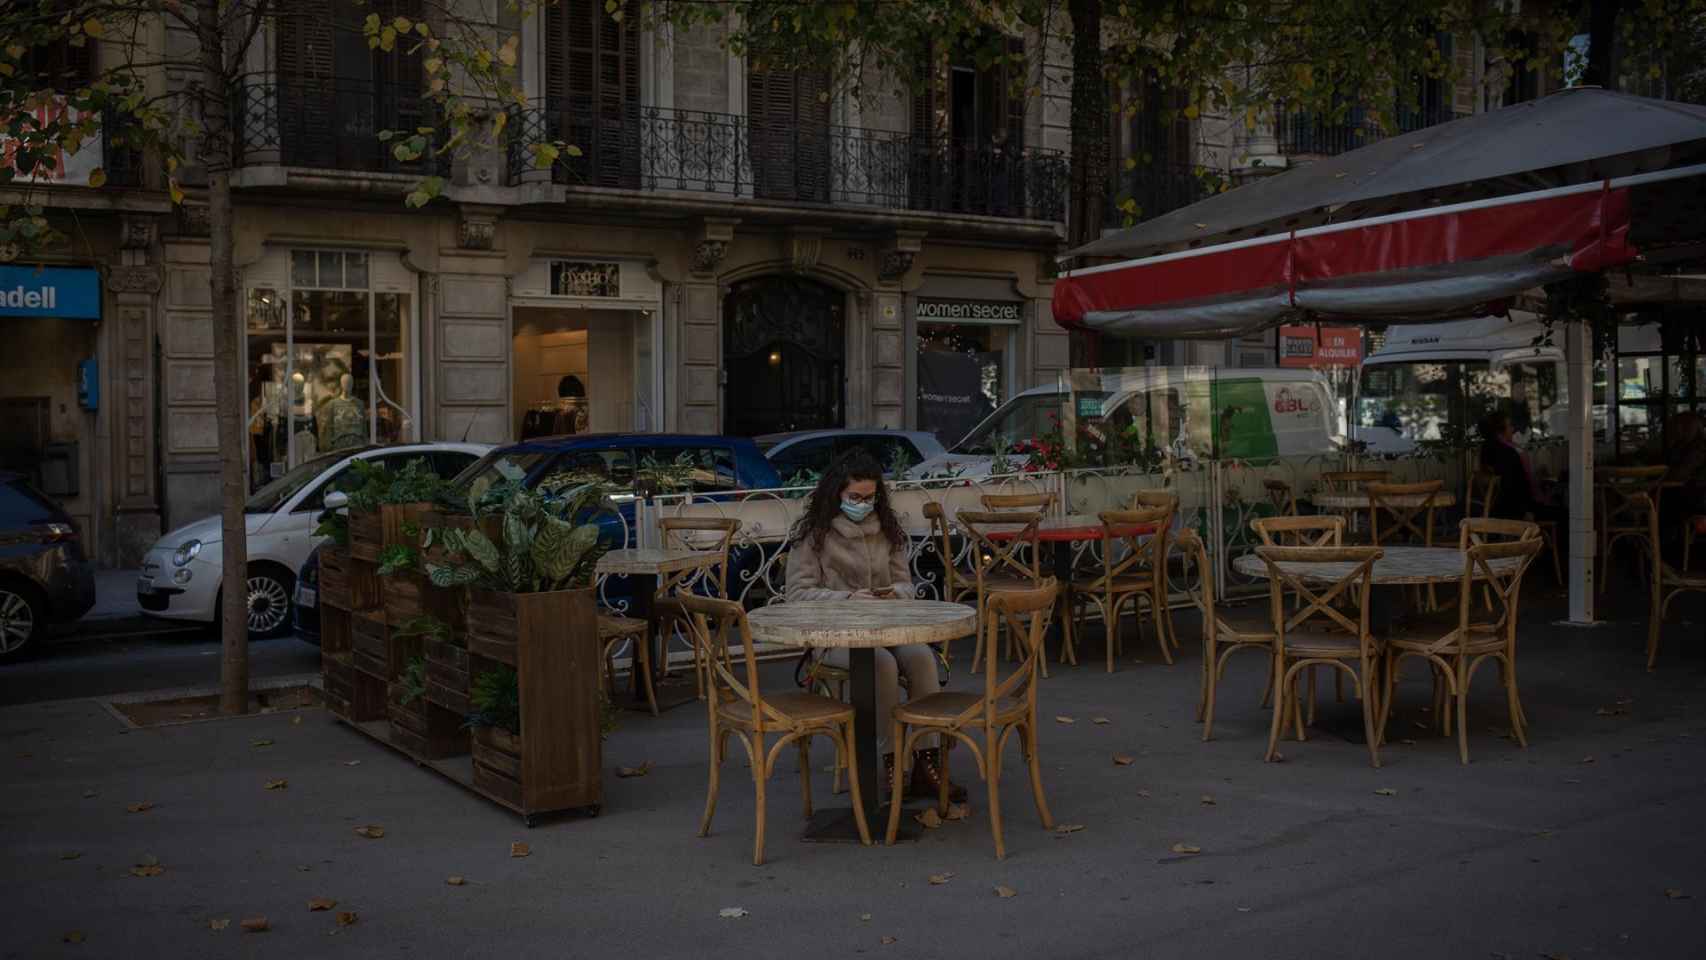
<point x="180" y="574"/>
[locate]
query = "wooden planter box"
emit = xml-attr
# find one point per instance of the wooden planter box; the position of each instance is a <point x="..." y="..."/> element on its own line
<point x="366" y="535"/>
<point x="422" y="730"/>
<point x="334" y="578"/>
<point x="370" y="642"/>
<point x="404" y="597"/>
<point x="497" y="763"/>
<point x="350" y="694"/>
<point x="551" y="639"/>
<point x="336" y="629"/>
<point x="447" y="676"/>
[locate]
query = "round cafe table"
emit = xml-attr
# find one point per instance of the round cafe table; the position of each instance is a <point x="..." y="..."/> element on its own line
<point x="859" y="626"/>
<point x="1358" y="500"/>
<point x="1397" y="566"/>
<point x="1063" y="533"/>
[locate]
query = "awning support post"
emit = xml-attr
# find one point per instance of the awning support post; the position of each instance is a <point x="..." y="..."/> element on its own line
<point x="1578" y="351"/>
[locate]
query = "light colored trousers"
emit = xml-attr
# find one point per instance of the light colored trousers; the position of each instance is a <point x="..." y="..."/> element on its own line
<point x="919" y="664"/>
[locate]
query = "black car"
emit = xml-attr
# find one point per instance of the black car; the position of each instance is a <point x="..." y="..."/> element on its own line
<point x="306" y="604"/>
<point x="44" y="577"/>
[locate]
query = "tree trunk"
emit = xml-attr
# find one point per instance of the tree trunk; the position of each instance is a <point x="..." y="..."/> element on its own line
<point x="234" y="549"/>
<point x="1089" y="123"/>
<point x="1602" y="39"/>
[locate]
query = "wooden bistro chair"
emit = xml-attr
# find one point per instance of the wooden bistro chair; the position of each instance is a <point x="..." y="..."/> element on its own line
<point x="708" y="535"/>
<point x="738" y="707"/>
<point x="1627" y="498"/>
<point x="1338" y="640"/>
<point x="1007" y="502"/>
<point x="1483" y="491"/>
<point x="1321" y="530"/>
<point x="615" y="630"/>
<point x="1667" y="585"/>
<point x="1005" y="706"/>
<point x="1402" y="520"/>
<point x="1225" y="630"/>
<point x="1134" y="570"/>
<point x="1282" y="497"/>
<point x="1475" y="531"/>
<point x="1470" y="640"/>
<point x="1001" y="565"/>
<point x="1350" y="481"/>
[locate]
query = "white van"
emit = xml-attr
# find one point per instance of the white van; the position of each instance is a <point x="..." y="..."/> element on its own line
<point x="1192" y="414"/>
<point x="1431" y="381"/>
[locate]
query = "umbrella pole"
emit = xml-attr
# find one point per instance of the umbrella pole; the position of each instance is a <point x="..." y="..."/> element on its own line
<point x="1578" y="351"/>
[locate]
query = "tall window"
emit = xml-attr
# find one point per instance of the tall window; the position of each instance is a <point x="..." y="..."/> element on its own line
<point x="968" y="131"/>
<point x="787" y="119"/>
<point x="592" y="92"/>
<point x="334" y="94"/>
<point x="330" y="361"/>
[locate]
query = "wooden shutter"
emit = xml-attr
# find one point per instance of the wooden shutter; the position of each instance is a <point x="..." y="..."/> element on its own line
<point x="592" y="90"/>
<point x="397" y="102"/>
<point x="306" y="93"/>
<point x="787" y="115"/>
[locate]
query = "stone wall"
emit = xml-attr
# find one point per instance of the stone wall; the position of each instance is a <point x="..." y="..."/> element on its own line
<point x="701" y="70"/>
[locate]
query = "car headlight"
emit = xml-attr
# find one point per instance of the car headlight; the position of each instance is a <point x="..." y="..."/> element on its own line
<point x="186" y="552"/>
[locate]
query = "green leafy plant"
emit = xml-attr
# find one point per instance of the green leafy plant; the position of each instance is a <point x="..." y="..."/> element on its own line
<point x="416" y="483"/>
<point x="413" y="680"/>
<point x="496" y="698"/>
<point x="425" y="625"/>
<point x="365" y="484"/>
<point x="334" y="524"/>
<point x="398" y="558"/>
<point x="544" y="545"/>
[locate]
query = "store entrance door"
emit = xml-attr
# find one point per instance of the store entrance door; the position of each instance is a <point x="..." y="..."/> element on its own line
<point x="784" y="357"/>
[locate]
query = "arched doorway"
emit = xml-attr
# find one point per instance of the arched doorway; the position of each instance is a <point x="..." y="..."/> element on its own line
<point x="784" y="345"/>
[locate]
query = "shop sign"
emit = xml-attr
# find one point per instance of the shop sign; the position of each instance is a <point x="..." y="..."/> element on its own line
<point x="967" y="311"/>
<point x="50" y="292"/>
<point x="1307" y="345"/>
<point x="586" y="278"/>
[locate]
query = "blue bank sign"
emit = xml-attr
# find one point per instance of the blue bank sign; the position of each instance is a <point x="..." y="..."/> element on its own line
<point x="50" y="292"/>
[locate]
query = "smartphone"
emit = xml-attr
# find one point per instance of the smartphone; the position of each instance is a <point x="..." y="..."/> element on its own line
<point x="883" y="591"/>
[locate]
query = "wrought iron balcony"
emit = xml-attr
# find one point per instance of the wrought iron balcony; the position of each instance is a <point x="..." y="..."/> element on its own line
<point x="655" y="149"/>
<point x="330" y="123"/>
<point x="1147" y="191"/>
<point x="1305" y="133"/>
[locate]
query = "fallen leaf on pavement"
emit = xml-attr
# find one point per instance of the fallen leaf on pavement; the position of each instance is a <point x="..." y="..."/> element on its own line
<point x="1186" y="849"/>
<point x="519" y="849"/>
<point x="929" y="817"/>
<point x="1064" y="719"/>
<point x="1408" y="742"/>
<point x="1386" y="792"/>
<point x="1243" y="909"/>
<point x="75" y="936"/>
<point x="1067" y="828"/>
<point x="347" y="917"/>
<point x="278" y="784"/>
<point x="639" y="771"/>
<point x="865" y="917"/>
<point x="1675" y="894"/>
<point x="1006" y="893"/>
<point x="1100" y="721"/>
<point x="255" y="925"/>
<point x="305" y="868"/>
<point x="958" y="811"/>
<point x="1124" y="760"/>
<point x="352" y="763"/>
<point x="887" y="941"/>
<point x="90" y="794"/>
<point x="296" y="721"/>
<point x="732" y="913"/>
<point x="1572" y="780"/>
<point x="219" y="924"/>
<point x="1143" y="794"/>
<point x="455" y="881"/>
<point x="260" y="743"/>
<point x="71" y="855"/>
<point x="321" y="903"/>
<point x="1555" y="956"/>
<point x="1587" y="759"/>
<point x="143" y="807"/>
<point x="370" y="831"/>
<point x="1207" y="800"/>
<point x="937" y="879"/>
<point x="147" y="870"/>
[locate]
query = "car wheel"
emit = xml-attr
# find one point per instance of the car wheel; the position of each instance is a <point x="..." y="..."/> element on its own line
<point x="23" y="615"/>
<point x="269" y="603"/>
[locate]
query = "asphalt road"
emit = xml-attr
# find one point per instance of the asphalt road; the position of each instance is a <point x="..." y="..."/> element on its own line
<point x="93" y="665"/>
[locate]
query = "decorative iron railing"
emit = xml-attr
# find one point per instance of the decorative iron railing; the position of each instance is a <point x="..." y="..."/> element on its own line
<point x="1147" y="191"/>
<point x="332" y="124"/>
<point x="1306" y="133"/>
<point x="660" y="149"/>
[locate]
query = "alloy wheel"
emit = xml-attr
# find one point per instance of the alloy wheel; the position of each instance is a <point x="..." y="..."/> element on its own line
<point x="269" y="604"/>
<point x="17" y="621"/>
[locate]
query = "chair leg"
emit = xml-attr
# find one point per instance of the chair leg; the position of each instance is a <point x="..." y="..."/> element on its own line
<point x="840" y="765"/>
<point x="897" y="797"/>
<point x="1557" y="563"/>
<point x="1508" y="672"/>
<point x="1370" y="702"/>
<point x="1028" y="740"/>
<point x="1389" y="684"/>
<point x="1267" y="685"/>
<point x="1110" y="626"/>
<point x="1157" y="612"/>
<point x="804" y="744"/>
<point x="1462" y="710"/>
<point x="1295" y="696"/>
<point x="760" y="774"/>
<point x="643" y="654"/>
<point x="846" y="745"/>
<point x="992" y="763"/>
<point x="1313" y="673"/>
<point x="718" y="738"/>
<point x="1206" y="691"/>
<point x="1277" y="672"/>
<point x="942" y="780"/>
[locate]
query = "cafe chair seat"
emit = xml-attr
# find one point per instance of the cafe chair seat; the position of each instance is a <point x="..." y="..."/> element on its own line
<point x="944" y="706"/>
<point x="613" y="631"/>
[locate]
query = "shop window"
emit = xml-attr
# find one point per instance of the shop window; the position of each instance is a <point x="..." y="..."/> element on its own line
<point x="330" y="363"/>
<point x="962" y="376"/>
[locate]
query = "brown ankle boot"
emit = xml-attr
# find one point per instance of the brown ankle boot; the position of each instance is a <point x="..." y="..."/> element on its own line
<point x="886" y="786"/>
<point x="927" y="777"/>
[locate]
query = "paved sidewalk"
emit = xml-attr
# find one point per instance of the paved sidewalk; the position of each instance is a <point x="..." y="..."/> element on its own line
<point x="1567" y="848"/>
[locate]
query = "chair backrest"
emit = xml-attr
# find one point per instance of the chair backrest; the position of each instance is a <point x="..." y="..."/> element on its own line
<point x="1003" y="544"/>
<point x="1025" y="614"/>
<point x="1191" y="546"/>
<point x="1627" y="493"/>
<point x="1143" y="533"/>
<point x="713" y="623"/>
<point x="1322" y="530"/>
<point x="943" y="533"/>
<point x="1502" y="587"/>
<point x="1041" y="502"/>
<point x="1405" y="504"/>
<point x="1351" y="573"/>
<point x="1151" y="499"/>
<point x="1281" y="496"/>
<point x="1347" y="481"/>
<point x="1483" y="490"/>
<point x="1473" y="531"/>
<point x="705" y="535"/>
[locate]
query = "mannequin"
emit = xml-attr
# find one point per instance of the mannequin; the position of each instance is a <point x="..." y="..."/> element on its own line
<point x="341" y="420"/>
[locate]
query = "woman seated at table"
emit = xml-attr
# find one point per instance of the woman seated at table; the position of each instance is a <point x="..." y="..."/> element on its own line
<point x="1519" y="496"/>
<point x="848" y="545"/>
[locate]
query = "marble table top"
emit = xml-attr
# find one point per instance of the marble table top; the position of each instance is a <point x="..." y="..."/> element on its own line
<point x="1359" y="500"/>
<point x="654" y="561"/>
<point x="861" y="623"/>
<point x="1399" y="565"/>
<point x="1076" y="526"/>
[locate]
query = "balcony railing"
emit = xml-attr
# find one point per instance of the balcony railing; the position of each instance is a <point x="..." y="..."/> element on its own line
<point x="655" y="149"/>
<point x="1303" y="133"/>
<point x="331" y="123"/>
<point x="1148" y="191"/>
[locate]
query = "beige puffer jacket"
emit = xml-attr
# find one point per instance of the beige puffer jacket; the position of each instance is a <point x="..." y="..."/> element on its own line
<point x="854" y="556"/>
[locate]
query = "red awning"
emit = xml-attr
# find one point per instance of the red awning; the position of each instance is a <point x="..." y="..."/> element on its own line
<point x="1424" y="264"/>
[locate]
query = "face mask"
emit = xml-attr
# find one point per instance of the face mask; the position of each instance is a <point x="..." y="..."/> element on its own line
<point x="855" y="511"/>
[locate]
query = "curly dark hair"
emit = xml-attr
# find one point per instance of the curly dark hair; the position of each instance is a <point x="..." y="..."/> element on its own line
<point x="824" y="504"/>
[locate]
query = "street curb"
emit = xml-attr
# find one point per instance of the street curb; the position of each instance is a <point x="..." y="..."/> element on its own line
<point x="310" y="680"/>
